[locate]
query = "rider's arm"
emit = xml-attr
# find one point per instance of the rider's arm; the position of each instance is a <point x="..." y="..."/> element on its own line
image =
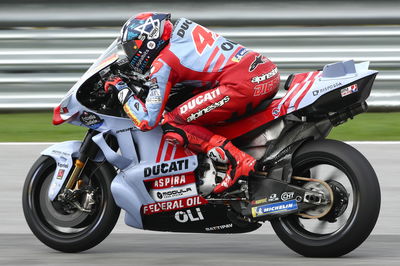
<point x="147" y="115"/>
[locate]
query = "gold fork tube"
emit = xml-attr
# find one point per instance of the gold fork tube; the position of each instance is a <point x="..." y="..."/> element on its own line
<point x="77" y="170"/>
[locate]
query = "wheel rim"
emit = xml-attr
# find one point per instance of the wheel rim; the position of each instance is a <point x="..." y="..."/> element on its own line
<point x="49" y="217"/>
<point x="325" y="169"/>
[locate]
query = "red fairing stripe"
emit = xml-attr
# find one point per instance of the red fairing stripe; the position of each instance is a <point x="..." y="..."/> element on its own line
<point x="173" y="205"/>
<point x="57" y="116"/>
<point x="314" y="76"/>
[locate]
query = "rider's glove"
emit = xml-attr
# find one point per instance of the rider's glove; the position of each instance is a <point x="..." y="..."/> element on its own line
<point x="116" y="83"/>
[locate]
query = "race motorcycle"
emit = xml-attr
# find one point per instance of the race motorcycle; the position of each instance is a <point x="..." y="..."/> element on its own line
<point x="321" y="196"/>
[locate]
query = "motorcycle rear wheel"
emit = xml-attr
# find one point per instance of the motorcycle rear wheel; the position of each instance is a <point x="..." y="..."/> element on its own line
<point x="323" y="238"/>
<point x="66" y="231"/>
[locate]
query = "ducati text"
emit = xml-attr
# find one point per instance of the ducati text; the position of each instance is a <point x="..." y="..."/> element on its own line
<point x="165" y="168"/>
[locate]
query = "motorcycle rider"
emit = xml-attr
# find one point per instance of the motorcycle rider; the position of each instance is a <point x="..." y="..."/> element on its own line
<point x="230" y="80"/>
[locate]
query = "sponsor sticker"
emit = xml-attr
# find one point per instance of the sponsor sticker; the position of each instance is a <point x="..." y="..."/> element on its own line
<point x="218" y="227"/>
<point x="173" y="193"/>
<point x="199" y="100"/>
<point x="183" y="28"/>
<point x="173" y="181"/>
<point x="239" y="55"/>
<point x="267" y="87"/>
<point x="259" y="201"/>
<point x="259" y="60"/>
<point x="349" y="90"/>
<point x="60" y="153"/>
<point x="208" y="109"/>
<point x="276" y="112"/>
<point x="173" y="205"/>
<point x="62" y="165"/>
<point x="273" y="197"/>
<point x="326" y="89"/>
<point x="60" y="173"/>
<point x="151" y="45"/>
<point x="189" y="216"/>
<point x="91" y="120"/>
<point x="263" y="77"/>
<point x="273" y="208"/>
<point x="166" y="167"/>
<point x="124" y="130"/>
<point x="154" y="96"/>
<point x="287" y="196"/>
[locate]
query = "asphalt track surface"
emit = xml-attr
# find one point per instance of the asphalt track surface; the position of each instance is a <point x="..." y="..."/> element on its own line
<point x="127" y="246"/>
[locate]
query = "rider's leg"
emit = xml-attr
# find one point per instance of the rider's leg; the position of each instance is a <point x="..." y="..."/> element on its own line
<point x="240" y="89"/>
<point x="217" y="147"/>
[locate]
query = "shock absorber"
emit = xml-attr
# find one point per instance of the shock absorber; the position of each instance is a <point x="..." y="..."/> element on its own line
<point x="88" y="150"/>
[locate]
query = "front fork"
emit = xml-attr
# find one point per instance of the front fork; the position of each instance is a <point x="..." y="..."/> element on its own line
<point x="73" y="196"/>
<point x="88" y="150"/>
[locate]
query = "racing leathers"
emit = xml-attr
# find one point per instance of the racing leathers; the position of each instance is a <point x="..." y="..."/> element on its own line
<point x="230" y="80"/>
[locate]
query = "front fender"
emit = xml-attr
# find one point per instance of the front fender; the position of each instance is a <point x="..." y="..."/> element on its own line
<point x="63" y="154"/>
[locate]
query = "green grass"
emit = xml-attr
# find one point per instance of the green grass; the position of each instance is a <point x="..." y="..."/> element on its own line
<point x="369" y="126"/>
<point x="18" y="127"/>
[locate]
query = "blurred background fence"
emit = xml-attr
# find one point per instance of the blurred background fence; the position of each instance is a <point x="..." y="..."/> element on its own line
<point x="45" y="46"/>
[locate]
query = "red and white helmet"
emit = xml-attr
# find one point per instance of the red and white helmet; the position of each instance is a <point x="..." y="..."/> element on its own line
<point x="143" y="37"/>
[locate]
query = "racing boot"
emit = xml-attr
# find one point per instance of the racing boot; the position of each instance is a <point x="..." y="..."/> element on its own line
<point x="240" y="163"/>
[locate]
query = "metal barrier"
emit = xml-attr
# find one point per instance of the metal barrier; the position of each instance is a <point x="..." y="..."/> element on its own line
<point x="38" y="66"/>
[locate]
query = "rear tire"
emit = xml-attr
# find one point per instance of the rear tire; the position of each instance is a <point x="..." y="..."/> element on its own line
<point x="362" y="211"/>
<point x="69" y="232"/>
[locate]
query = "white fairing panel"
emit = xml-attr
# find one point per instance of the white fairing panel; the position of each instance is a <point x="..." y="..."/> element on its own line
<point x="334" y="76"/>
<point x="62" y="153"/>
<point x="313" y="85"/>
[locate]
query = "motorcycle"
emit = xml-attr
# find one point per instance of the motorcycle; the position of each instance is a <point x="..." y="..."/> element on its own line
<point x="321" y="196"/>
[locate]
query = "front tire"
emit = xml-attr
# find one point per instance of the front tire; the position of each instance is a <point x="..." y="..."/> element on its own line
<point x="339" y="235"/>
<point x="72" y="231"/>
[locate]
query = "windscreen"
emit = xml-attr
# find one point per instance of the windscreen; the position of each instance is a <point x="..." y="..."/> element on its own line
<point x="106" y="58"/>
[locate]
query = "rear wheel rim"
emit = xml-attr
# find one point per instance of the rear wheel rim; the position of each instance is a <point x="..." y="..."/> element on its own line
<point x="316" y="229"/>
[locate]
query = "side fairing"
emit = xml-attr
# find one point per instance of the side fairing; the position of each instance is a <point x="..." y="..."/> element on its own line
<point x="157" y="159"/>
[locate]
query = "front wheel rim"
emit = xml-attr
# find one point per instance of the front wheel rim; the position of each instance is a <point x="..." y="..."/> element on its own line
<point x="58" y="225"/>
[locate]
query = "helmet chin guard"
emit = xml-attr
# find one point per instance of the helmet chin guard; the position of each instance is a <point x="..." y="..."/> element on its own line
<point x="143" y="37"/>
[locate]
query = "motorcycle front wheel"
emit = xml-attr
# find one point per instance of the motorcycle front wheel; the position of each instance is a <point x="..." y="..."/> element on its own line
<point x="356" y="201"/>
<point x="69" y="229"/>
